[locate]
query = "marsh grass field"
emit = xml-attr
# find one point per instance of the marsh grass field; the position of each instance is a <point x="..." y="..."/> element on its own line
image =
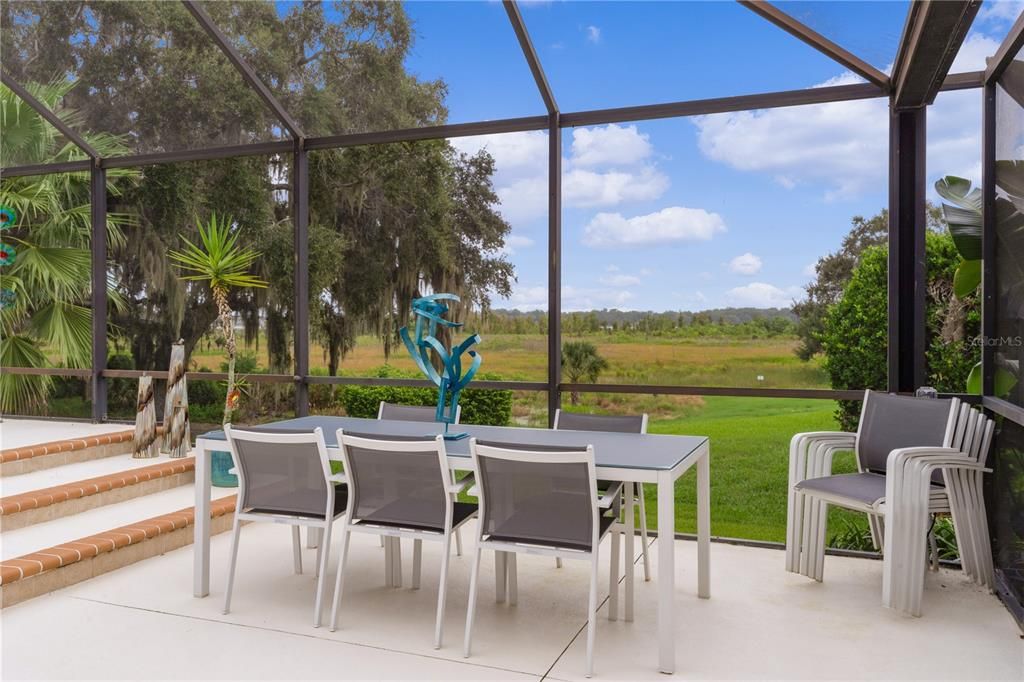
<point x="749" y="436"/>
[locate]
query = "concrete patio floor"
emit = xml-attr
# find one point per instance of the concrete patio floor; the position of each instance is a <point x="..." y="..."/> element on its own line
<point x="761" y="622"/>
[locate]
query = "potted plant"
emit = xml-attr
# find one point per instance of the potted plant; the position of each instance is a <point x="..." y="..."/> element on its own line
<point x="224" y="265"/>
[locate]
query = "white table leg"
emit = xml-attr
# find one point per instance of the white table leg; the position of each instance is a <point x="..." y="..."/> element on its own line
<point x="629" y="548"/>
<point x="703" y="526"/>
<point x="666" y="573"/>
<point x="313" y="537"/>
<point x="201" y="532"/>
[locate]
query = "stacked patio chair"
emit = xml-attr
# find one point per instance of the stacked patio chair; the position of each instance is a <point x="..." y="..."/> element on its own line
<point x="576" y="421"/>
<point x="909" y="483"/>
<point x="541" y="500"/>
<point x="401" y="487"/>
<point x="411" y="413"/>
<point x="916" y="457"/>
<point x="285" y="478"/>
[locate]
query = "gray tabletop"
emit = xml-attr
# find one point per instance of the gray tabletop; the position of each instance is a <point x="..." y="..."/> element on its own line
<point x="617" y="450"/>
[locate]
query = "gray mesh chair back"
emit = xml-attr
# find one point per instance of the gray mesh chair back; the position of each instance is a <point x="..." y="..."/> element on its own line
<point x="285" y="473"/>
<point x="576" y="421"/>
<point x="535" y="495"/>
<point x="396" y="480"/>
<point x="888" y="422"/>
<point x="411" y="413"/>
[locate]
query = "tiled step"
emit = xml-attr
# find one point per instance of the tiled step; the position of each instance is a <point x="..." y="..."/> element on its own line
<point x="54" y="532"/>
<point x="45" y="504"/>
<point x="52" y="567"/>
<point x="69" y="473"/>
<point x="27" y="457"/>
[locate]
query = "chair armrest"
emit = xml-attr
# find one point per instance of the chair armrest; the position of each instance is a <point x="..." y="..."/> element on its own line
<point x="465" y="483"/>
<point x="810" y="453"/>
<point x="610" y="496"/>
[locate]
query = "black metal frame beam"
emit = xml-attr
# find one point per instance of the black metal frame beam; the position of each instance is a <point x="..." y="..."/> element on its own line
<point x="98" y="218"/>
<point x="787" y="98"/>
<point x="554" y="266"/>
<point x="254" y="81"/>
<point x="300" y="220"/>
<point x="49" y="115"/>
<point x="907" y="274"/>
<point x="516" y="19"/>
<point x="931" y="39"/>
<point x="801" y="31"/>
<point x="1004" y="55"/>
<point x="988" y="237"/>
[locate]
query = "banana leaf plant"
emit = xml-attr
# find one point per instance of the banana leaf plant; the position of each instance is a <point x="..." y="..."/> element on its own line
<point x="964" y="218"/>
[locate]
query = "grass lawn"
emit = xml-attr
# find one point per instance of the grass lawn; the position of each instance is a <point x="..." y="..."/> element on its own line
<point x="749" y="464"/>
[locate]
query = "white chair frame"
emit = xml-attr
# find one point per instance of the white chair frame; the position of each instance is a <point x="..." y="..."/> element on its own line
<point x="509" y="549"/>
<point x="324" y="525"/>
<point x="418" y="535"/>
<point x="909" y="486"/>
<point x="637" y="495"/>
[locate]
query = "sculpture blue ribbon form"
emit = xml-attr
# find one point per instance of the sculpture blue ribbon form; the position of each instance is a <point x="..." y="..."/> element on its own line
<point x="430" y="312"/>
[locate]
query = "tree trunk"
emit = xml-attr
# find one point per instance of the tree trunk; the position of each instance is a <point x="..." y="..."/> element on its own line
<point x="227" y="327"/>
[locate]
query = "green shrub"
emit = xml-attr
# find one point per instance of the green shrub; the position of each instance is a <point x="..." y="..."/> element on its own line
<point x="122" y="394"/>
<point x="204" y="392"/>
<point x="855" y="330"/>
<point x="205" y="414"/>
<point x="479" y="406"/>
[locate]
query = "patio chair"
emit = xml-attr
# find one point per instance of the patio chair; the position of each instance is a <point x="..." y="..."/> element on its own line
<point x="285" y="478"/>
<point x="414" y="413"/>
<point x="576" y="421"/>
<point x="541" y="501"/>
<point x="910" y="485"/>
<point x="401" y="487"/>
<point x="893" y="430"/>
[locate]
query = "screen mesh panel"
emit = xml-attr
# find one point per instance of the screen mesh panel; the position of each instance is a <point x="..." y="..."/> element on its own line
<point x="892" y="421"/>
<point x="397" y="488"/>
<point x="282" y="477"/>
<point x="575" y="421"/>
<point x="536" y="502"/>
<point x="408" y="413"/>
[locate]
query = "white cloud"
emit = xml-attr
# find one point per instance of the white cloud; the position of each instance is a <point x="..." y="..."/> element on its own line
<point x="513" y="243"/>
<point x="667" y="226"/>
<point x="746" y="264"/>
<point x="609" y="145"/>
<point x="762" y="295"/>
<point x="583" y="188"/>
<point x="842" y="145"/>
<point x="593" y="34"/>
<point x="616" y="278"/>
<point x="592" y="174"/>
<point x="1000" y="11"/>
<point x="518" y="241"/>
<point x="581" y="298"/>
<point x="573" y="298"/>
<point x="973" y="52"/>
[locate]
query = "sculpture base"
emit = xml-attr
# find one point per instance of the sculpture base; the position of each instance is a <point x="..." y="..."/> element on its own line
<point x="455" y="436"/>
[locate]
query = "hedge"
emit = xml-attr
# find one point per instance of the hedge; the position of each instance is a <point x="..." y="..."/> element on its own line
<point x="479" y="406"/>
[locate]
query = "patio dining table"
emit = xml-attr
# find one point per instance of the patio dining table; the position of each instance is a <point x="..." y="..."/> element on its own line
<point x="644" y="458"/>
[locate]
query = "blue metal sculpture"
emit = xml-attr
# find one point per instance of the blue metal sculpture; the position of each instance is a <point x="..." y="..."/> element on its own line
<point x="430" y="312"/>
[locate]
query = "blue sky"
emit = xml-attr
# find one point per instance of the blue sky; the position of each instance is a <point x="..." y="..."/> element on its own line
<point x="686" y="214"/>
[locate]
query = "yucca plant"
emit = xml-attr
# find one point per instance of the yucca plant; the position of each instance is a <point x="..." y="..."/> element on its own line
<point x="224" y="265"/>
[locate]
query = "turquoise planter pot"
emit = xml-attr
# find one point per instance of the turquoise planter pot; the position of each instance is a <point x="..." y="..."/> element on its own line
<point x="220" y="464"/>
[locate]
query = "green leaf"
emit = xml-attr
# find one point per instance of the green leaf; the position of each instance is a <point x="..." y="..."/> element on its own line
<point x="958" y="191"/>
<point x="1005" y="380"/>
<point x="965" y="227"/>
<point x="967" y="278"/>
